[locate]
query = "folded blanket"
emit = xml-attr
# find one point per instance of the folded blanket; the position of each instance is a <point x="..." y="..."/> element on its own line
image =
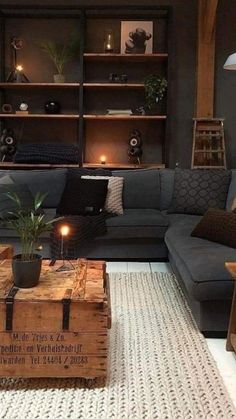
<point x="47" y="153"/>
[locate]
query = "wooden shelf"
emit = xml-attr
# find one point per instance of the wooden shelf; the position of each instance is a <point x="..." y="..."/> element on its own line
<point x="115" y="85"/>
<point x="128" y="57"/>
<point x="38" y="85"/>
<point x="39" y="115"/>
<point x="125" y="117"/>
<point x="124" y="166"/>
<point x="11" y="165"/>
<point x="209" y="167"/>
<point x="210" y="151"/>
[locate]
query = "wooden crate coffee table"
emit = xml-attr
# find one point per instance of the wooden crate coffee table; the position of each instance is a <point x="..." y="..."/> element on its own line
<point x="6" y="251"/>
<point x="60" y="327"/>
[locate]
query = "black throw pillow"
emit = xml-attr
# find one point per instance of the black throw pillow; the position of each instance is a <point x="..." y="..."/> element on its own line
<point x="217" y="226"/>
<point x="197" y="190"/>
<point x="8" y="205"/>
<point x="83" y="196"/>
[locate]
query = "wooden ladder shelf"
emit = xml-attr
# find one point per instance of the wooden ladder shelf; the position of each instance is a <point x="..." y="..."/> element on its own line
<point x="208" y="150"/>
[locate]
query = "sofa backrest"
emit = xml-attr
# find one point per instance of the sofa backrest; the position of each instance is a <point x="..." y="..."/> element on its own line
<point x="141" y="188"/>
<point x="49" y="181"/>
<point x="167" y="178"/>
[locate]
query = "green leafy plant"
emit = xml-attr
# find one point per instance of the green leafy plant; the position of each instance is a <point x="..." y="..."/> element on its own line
<point x="61" y="53"/>
<point x="155" y="89"/>
<point x="29" y="225"/>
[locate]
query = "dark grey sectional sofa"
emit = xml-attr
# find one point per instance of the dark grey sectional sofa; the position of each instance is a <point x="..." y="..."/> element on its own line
<point x="146" y="231"/>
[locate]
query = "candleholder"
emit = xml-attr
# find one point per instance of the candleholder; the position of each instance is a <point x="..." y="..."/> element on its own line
<point x="66" y="264"/>
<point x="108" y="41"/>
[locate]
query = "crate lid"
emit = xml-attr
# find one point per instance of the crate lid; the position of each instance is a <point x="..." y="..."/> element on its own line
<point x="85" y="283"/>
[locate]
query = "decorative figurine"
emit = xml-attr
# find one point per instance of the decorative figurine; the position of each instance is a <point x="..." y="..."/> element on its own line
<point x="23" y="109"/>
<point x="52" y="107"/>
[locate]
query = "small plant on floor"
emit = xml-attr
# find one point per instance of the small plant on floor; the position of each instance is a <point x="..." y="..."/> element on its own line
<point x="155" y="89"/>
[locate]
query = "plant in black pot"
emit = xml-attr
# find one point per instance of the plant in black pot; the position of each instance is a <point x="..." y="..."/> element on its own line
<point x="29" y="225"/>
<point x="155" y="89"/>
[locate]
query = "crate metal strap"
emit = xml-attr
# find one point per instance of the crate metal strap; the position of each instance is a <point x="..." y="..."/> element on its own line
<point x="9" y="307"/>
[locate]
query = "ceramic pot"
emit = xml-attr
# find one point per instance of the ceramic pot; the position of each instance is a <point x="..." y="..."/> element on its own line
<point x="26" y="273"/>
<point x="52" y="107"/>
<point x="59" y="78"/>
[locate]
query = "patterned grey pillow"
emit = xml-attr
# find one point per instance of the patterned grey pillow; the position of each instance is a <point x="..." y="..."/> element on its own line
<point x="113" y="202"/>
<point x="199" y="189"/>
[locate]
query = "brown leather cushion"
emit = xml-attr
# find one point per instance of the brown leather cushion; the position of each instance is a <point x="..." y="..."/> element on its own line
<point x="217" y="226"/>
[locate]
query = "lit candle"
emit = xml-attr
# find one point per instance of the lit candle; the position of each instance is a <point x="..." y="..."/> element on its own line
<point x="65" y="230"/>
<point x="19" y="68"/>
<point x="103" y="159"/>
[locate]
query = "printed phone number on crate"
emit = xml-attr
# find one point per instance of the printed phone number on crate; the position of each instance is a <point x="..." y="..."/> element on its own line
<point x="59" y="360"/>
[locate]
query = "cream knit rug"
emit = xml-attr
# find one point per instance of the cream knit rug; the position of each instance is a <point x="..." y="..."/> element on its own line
<point x="160" y="366"/>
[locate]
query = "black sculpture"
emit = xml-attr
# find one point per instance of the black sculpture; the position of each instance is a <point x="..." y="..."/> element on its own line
<point x="137" y="42"/>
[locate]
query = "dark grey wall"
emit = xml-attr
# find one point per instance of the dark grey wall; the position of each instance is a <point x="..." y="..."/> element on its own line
<point x="182" y="74"/>
<point x="225" y="83"/>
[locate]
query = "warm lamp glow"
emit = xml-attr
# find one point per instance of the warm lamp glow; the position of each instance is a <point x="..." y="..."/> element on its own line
<point x="103" y="159"/>
<point x="19" y="68"/>
<point x="64" y="230"/>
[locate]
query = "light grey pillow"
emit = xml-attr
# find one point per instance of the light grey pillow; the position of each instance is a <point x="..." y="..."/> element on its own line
<point x="113" y="202"/>
<point x="6" y="180"/>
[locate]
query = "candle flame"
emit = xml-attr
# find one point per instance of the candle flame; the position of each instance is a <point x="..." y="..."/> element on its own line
<point x="64" y="230"/>
<point x="103" y="159"/>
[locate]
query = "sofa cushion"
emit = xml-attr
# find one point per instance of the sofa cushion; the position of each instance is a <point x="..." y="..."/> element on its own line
<point x="51" y="182"/>
<point x="167" y="179"/>
<point x="7" y="205"/>
<point x="200" y="262"/>
<point x="197" y="190"/>
<point x="217" y="226"/>
<point x="141" y="188"/>
<point x="138" y="223"/>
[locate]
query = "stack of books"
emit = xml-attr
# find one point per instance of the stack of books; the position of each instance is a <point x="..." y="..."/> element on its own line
<point x="119" y="112"/>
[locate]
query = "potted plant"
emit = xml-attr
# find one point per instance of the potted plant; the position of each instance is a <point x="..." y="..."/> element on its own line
<point x="155" y="89"/>
<point x="60" y="54"/>
<point x="29" y="225"/>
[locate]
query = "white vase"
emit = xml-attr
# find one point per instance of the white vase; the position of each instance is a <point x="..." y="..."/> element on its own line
<point x="59" y="78"/>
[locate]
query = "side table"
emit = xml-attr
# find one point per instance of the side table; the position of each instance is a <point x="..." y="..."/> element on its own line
<point x="231" y="337"/>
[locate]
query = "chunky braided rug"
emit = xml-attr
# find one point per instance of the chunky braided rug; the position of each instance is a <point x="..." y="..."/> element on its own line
<point x="160" y="366"/>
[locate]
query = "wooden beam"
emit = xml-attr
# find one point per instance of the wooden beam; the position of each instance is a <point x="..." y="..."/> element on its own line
<point x="206" y="58"/>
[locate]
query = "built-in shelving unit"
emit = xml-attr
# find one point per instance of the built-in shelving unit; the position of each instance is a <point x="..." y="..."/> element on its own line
<point x="84" y="100"/>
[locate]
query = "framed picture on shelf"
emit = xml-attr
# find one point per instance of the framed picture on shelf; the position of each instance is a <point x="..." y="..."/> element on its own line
<point x="136" y="37"/>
